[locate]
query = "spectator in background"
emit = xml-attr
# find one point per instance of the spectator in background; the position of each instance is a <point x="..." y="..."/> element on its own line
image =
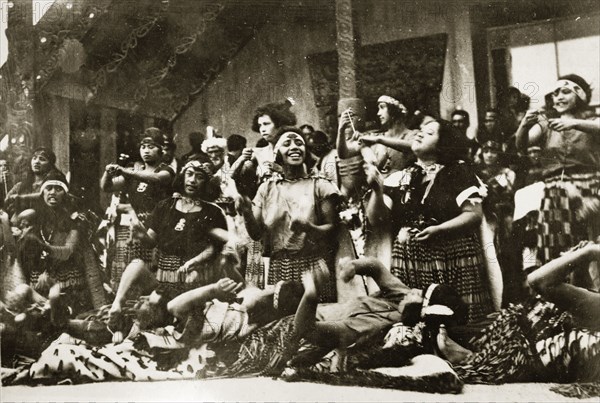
<point x="6" y="178"/>
<point x="196" y="153"/>
<point x="169" y="147"/>
<point x="235" y="145"/>
<point x="307" y="131"/>
<point x="461" y="121"/>
<point x="326" y="156"/>
<point x="492" y="129"/>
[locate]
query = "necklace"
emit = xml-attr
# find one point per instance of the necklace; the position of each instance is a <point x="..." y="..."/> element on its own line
<point x="180" y="226"/>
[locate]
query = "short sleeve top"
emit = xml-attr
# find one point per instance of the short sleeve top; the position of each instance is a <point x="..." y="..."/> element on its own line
<point x="280" y="201"/>
<point x="143" y="196"/>
<point x="420" y="204"/>
<point x="185" y="234"/>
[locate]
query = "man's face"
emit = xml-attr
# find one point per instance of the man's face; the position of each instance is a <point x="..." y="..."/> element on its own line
<point x="490" y="121"/>
<point x="460" y="122"/>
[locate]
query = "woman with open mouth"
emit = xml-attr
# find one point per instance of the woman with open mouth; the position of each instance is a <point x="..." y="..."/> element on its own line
<point x="570" y="143"/>
<point x="23" y="194"/>
<point x="139" y="187"/>
<point x="189" y="234"/>
<point x="434" y="210"/>
<point x="294" y="215"/>
<point x="54" y="243"/>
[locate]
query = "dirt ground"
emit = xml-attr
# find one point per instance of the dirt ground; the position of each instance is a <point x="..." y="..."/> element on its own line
<point x="267" y="389"/>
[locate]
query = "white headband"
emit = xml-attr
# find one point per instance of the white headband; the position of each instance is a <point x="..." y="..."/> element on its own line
<point x="427" y="298"/>
<point x="573" y="87"/>
<point x="55" y="183"/>
<point x="392" y="101"/>
<point x="284" y="137"/>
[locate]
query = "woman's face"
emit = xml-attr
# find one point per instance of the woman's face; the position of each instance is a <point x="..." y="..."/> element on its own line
<point x="383" y="113"/>
<point x="564" y="100"/>
<point x="40" y="164"/>
<point x="193" y="182"/>
<point x="266" y="128"/>
<point x="292" y="149"/>
<point x="490" y="156"/>
<point x="53" y="195"/>
<point x="150" y="152"/>
<point x="217" y="156"/>
<point x="426" y="140"/>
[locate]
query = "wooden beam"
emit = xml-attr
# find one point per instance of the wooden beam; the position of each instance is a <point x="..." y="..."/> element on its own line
<point x="60" y="131"/>
<point x="345" y="48"/>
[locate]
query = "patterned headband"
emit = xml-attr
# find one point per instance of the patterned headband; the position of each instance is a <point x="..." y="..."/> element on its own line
<point x="392" y="101"/>
<point x="572" y="86"/>
<point x="199" y="167"/>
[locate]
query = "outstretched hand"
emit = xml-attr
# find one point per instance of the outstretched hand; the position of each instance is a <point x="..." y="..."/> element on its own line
<point x="428" y="233"/>
<point x="226" y="289"/>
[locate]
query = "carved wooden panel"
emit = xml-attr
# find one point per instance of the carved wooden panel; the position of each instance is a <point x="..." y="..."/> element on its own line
<point x="410" y="69"/>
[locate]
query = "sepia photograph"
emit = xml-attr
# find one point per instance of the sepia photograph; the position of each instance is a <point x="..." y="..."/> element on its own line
<point x="299" y="200"/>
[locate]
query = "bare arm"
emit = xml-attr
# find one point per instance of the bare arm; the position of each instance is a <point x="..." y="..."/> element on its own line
<point x="402" y="145"/>
<point x="548" y="281"/>
<point x="318" y="230"/>
<point x="370" y="266"/>
<point x="470" y="217"/>
<point x="252" y="217"/>
<point x="111" y="181"/>
<point x="194" y="300"/>
<point x="377" y="212"/>
<point x="528" y="132"/>
<point x="161" y="177"/>
<point x="63" y="252"/>
<point x="344" y="149"/>
<point x="585" y="125"/>
<point x="7" y="238"/>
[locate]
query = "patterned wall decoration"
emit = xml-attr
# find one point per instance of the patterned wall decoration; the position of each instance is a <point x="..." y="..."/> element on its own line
<point x="411" y="69"/>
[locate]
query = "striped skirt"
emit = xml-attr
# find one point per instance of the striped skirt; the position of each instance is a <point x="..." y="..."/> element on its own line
<point x="457" y="262"/>
<point x="559" y="225"/>
<point x="255" y="267"/>
<point x="292" y="268"/>
<point x="174" y="283"/>
<point x="127" y="249"/>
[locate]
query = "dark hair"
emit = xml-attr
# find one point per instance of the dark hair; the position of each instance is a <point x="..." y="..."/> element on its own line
<point x="320" y="137"/>
<point x="196" y="139"/>
<point x="308" y="127"/>
<point x="279" y="113"/>
<point x="452" y="145"/>
<point x="236" y="142"/>
<point x="290" y="295"/>
<point x="462" y="113"/>
<point x="261" y="143"/>
<point x="580" y="104"/>
<point x="156" y="135"/>
<point x="48" y="152"/>
<point x="441" y="295"/>
<point x="287" y="129"/>
<point x="168" y="142"/>
<point x="206" y="192"/>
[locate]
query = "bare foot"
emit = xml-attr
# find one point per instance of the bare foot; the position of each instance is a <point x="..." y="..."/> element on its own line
<point x="115" y="323"/>
<point x="451" y="350"/>
<point x="59" y="312"/>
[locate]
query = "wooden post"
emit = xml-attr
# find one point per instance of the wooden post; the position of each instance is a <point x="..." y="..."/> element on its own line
<point x="60" y="132"/>
<point x="345" y="48"/>
<point x="108" y="145"/>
